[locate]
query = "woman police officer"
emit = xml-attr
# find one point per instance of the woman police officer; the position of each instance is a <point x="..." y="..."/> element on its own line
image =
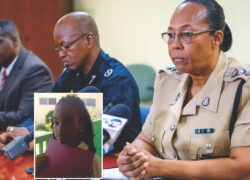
<point x="187" y="134"/>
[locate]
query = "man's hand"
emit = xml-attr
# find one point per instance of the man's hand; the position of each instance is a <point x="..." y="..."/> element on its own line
<point x="4" y="138"/>
<point x="13" y="132"/>
<point x="17" y="131"/>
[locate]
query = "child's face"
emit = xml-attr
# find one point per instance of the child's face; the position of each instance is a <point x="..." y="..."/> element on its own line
<point x="66" y="125"/>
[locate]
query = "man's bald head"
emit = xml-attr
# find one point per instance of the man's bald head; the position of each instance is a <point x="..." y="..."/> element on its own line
<point x="77" y="41"/>
<point x="82" y="22"/>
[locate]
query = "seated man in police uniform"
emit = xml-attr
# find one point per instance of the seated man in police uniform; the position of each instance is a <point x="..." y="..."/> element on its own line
<point x="86" y="64"/>
<point x="21" y="74"/>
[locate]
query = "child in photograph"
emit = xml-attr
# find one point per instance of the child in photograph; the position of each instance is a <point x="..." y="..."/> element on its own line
<point x="72" y="126"/>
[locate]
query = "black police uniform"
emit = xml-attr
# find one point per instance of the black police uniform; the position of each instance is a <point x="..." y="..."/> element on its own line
<point x="117" y="85"/>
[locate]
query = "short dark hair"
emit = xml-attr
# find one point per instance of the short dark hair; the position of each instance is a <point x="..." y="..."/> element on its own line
<point x="216" y="20"/>
<point x="8" y="28"/>
<point x="78" y="105"/>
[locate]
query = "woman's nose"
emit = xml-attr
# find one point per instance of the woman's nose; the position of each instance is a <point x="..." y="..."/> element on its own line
<point x="176" y="43"/>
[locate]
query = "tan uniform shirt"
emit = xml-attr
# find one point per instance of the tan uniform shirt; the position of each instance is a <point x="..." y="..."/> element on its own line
<point x="178" y="132"/>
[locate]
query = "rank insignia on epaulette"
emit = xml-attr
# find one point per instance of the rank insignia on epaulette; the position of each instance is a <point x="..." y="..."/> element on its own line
<point x="178" y="72"/>
<point x="173" y="70"/>
<point x="108" y="72"/>
<point x="237" y="72"/>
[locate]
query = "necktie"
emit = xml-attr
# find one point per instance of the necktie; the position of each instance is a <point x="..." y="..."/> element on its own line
<point x="3" y="79"/>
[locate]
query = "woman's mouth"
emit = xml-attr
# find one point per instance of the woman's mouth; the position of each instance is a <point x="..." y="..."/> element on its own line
<point x="179" y="60"/>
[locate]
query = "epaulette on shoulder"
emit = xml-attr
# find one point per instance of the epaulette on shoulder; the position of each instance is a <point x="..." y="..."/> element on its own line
<point x="172" y="71"/>
<point x="236" y="73"/>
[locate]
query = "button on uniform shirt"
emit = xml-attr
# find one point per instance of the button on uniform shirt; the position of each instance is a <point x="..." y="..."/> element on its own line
<point x="201" y="127"/>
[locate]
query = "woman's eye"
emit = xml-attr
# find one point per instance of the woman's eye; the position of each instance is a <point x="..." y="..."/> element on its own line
<point x="171" y="35"/>
<point x="187" y="34"/>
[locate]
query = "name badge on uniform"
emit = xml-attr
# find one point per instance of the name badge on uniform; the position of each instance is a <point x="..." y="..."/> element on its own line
<point x="204" y="131"/>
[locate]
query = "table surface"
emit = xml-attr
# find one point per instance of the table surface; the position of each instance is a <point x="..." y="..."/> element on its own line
<point x="109" y="161"/>
<point x="15" y="169"/>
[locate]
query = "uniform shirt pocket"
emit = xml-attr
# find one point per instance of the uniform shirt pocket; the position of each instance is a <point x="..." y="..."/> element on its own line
<point x="211" y="145"/>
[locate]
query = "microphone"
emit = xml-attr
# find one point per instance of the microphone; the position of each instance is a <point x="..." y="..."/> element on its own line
<point x="119" y="110"/>
<point x="90" y="89"/>
<point x="18" y="146"/>
<point x="114" y="120"/>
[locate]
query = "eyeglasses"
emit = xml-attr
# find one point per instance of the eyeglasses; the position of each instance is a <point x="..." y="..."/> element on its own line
<point x="184" y="36"/>
<point x="63" y="48"/>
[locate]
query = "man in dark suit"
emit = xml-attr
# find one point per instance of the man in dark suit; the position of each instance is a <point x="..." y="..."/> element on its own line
<point x="21" y="74"/>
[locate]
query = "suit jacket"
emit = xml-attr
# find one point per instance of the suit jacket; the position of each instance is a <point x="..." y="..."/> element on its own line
<point x="29" y="74"/>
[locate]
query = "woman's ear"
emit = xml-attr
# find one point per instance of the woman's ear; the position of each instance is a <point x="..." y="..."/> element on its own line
<point x="217" y="38"/>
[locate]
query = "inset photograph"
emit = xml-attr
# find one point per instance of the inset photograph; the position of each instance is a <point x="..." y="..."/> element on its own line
<point x="68" y="135"/>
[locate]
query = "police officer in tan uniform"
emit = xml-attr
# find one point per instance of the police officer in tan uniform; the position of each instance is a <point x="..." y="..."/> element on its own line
<point x="199" y="123"/>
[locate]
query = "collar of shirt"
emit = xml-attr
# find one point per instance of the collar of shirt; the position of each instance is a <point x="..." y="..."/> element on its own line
<point x="94" y="68"/>
<point x="208" y="93"/>
<point x="10" y="67"/>
<point x="96" y="65"/>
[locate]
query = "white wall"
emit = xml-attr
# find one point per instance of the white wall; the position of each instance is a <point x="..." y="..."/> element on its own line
<point x="130" y="29"/>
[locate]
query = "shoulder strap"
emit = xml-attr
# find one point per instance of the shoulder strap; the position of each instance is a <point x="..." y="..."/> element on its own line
<point x="235" y="107"/>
